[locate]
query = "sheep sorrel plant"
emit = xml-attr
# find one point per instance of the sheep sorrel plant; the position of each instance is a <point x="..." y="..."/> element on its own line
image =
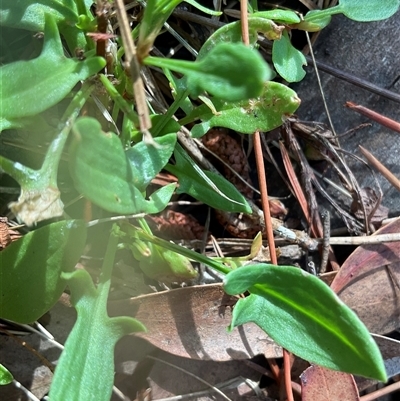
<point x="64" y="81"/>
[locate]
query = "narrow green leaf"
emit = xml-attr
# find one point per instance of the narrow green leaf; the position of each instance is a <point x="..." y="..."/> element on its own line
<point x="155" y="14"/>
<point x="314" y="23"/>
<point x="287" y="60"/>
<point x="303" y="315"/>
<point x="89" y="349"/>
<point x="284" y="16"/>
<point x="242" y="76"/>
<point x="147" y="161"/>
<point x="261" y="114"/>
<point x="103" y="174"/>
<point x="205" y="10"/>
<point x="30" y="269"/>
<point x="5" y="376"/>
<point x="206" y="186"/>
<point x="30" y="87"/>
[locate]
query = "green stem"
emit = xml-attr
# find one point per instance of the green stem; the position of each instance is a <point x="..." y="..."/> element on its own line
<point x="108" y="262"/>
<point x="317" y="14"/>
<point x="17" y="171"/>
<point x="118" y="99"/>
<point x="170" y="112"/>
<point x="80" y="6"/>
<point x="183" y="251"/>
<point x="49" y="168"/>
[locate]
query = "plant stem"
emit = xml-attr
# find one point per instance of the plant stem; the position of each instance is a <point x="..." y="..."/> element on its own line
<point x="120" y="101"/>
<point x="170" y="112"/>
<point x="108" y="262"/>
<point x="18" y="171"/>
<point x="134" y="67"/>
<point x="49" y="168"/>
<point x="183" y="251"/>
<point x="317" y="14"/>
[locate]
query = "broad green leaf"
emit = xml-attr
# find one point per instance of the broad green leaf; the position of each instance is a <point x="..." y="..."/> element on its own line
<point x="89" y="349"/>
<point x="5" y="376"/>
<point x="368" y="10"/>
<point x="283" y="16"/>
<point x="30" y="269"/>
<point x="261" y="114"/>
<point x="303" y="315"/>
<point x="30" y="15"/>
<point x="231" y="72"/>
<point x="232" y="33"/>
<point x="147" y="161"/>
<point x="103" y="174"/>
<point x="206" y="186"/>
<point x="288" y="61"/>
<point x="358" y="10"/>
<point x="30" y="87"/>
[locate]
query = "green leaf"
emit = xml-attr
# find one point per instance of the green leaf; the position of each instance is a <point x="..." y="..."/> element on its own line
<point x="205" y="10"/>
<point x="103" y="174"/>
<point x="288" y="61"/>
<point x="314" y="24"/>
<point x="358" y="10"/>
<point x="303" y="315"/>
<point x="30" y="87"/>
<point x="30" y="15"/>
<point x="232" y="33"/>
<point x="205" y="186"/>
<point x="30" y="269"/>
<point x="40" y="198"/>
<point x="89" y="349"/>
<point x="155" y="261"/>
<point x="283" y="16"/>
<point x="262" y="114"/>
<point x="5" y="376"/>
<point x="231" y="72"/>
<point x="155" y="14"/>
<point x="368" y="10"/>
<point x="147" y="161"/>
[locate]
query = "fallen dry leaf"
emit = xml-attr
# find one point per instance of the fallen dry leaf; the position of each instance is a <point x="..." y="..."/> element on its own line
<point x="192" y="322"/>
<point x="167" y="381"/>
<point x="320" y="384"/>
<point x="368" y="283"/>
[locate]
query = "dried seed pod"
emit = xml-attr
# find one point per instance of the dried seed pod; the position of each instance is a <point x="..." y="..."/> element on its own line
<point x="7" y="235"/>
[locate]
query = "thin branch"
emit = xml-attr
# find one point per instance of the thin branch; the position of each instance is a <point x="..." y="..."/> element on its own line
<point x="134" y="67"/>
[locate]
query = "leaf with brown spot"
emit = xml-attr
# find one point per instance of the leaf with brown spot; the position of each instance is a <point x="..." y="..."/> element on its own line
<point x="320" y="384"/>
<point x="368" y="283"/>
<point x="192" y="322"/>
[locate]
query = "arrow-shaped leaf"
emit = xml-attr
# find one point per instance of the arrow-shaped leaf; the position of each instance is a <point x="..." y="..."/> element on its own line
<point x="303" y="315"/>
